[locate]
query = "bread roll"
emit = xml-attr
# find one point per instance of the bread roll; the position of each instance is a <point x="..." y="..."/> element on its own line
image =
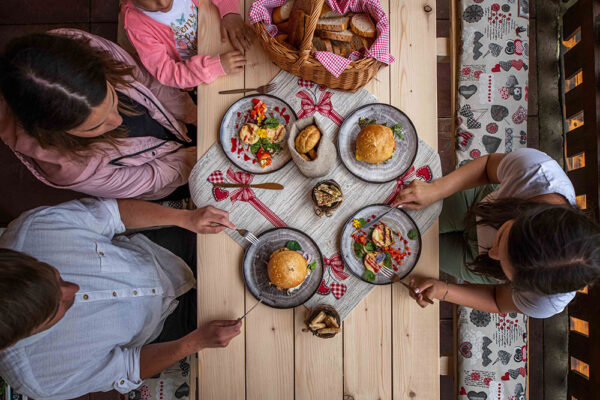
<point x="282" y="13"/>
<point x="375" y="144"/>
<point x="297" y="27"/>
<point x="307" y="139"/>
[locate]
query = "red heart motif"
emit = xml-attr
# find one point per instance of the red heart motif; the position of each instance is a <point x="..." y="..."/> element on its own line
<point x="462" y="392"/>
<point x="505" y="377"/>
<point x="496" y="68"/>
<point x="519" y="47"/>
<point x="425" y="173"/>
<point x="323" y="289"/>
<point x="523" y="371"/>
<point x="518" y="64"/>
<point x="338" y="290"/>
<point x="220" y="194"/>
<point x="477" y="74"/>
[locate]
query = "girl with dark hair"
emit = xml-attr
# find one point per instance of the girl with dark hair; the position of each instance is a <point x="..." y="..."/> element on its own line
<point x="82" y="114"/>
<point x="509" y="227"/>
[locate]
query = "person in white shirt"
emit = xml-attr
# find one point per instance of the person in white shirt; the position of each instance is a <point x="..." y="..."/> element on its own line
<point x="510" y="228"/>
<point x="82" y="306"/>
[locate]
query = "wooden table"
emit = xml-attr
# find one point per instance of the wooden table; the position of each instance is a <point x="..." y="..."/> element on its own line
<point x="389" y="348"/>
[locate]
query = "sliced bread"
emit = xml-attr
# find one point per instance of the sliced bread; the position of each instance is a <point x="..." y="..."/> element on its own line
<point x="345" y="49"/>
<point x="318" y="44"/>
<point x="333" y="24"/>
<point x="282" y="13"/>
<point x="358" y="42"/>
<point x="362" y="25"/>
<point x="344" y="36"/>
<point x="331" y="14"/>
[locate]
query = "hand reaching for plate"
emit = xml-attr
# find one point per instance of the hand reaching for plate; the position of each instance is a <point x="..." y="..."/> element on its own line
<point x="417" y="195"/>
<point x="208" y="219"/>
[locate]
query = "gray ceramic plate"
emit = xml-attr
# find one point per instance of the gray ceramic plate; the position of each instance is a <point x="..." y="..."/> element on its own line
<point x="399" y="221"/>
<point x="406" y="150"/>
<point x="254" y="268"/>
<point x="236" y="116"/>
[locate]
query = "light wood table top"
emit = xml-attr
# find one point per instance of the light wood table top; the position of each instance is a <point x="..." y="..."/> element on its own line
<point x="389" y="348"/>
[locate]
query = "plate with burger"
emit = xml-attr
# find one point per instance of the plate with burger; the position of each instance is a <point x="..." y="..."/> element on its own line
<point x="254" y="132"/>
<point x="284" y="268"/>
<point x="392" y="242"/>
<point x="377" y="143"/>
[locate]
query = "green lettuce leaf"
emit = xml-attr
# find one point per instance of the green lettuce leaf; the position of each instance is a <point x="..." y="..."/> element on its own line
<point x="293" y="245"/>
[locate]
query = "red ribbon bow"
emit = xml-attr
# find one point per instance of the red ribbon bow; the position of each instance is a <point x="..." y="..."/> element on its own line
<point x="401" y="183"/>
<point x="245" y="194"/>
<point x="336" y="266"/>
<point x="323" y="106"/>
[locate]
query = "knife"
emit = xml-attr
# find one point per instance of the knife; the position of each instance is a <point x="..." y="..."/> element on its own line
<point x="268" y="185"/>
<point x="247" y="312"/>
<point x="376" y="220"/>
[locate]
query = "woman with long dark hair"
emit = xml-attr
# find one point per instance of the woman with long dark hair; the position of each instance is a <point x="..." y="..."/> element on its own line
<point x="509" y="227"/>
<point x="82" y="114"/>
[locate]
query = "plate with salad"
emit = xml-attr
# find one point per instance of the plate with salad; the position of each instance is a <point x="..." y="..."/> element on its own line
<point x="393" y="242"/>
<point x="404" y="136"/>
<point x="254" y="132"/>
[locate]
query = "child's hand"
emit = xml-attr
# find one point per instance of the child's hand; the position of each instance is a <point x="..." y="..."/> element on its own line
<point x="232" y="26"/>
<point x="233" y="61"/>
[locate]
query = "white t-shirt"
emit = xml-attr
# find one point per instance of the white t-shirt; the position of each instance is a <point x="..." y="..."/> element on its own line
<point x="526" y="173"/>
<point x="183" y="20"/>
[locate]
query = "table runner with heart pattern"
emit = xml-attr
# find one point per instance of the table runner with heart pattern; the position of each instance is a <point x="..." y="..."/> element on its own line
<point x="493" y="78"/>
<point x="492" y="118"/>
<point x="259" y="210"/>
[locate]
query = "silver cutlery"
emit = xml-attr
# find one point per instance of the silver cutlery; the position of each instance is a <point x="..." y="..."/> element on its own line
<point x="395" y="278"/>
<point x="376" y="220"/>
<point x="267" y="185"/>
<point x="248" y="312"/>
<point x="249" y="236"/>
<point x="261" y="89"/>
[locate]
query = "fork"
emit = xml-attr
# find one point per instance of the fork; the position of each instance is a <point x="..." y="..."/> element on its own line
<point x="395" y="278"/>
<point x="249" y="236"/>
<point x="261" y="89"/>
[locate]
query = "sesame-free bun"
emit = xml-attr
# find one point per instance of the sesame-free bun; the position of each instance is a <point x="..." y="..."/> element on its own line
<point x="375" y="144"/>
<point x="287" y="269"/>
<point x="307" y="139"/>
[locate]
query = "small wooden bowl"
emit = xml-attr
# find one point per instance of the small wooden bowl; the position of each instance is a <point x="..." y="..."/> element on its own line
<point x="326" y="210"/>
<point x="328" y="310"/>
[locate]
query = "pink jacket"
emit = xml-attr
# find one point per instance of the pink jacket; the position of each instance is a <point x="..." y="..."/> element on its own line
<point x="155" y="45"/>
<point x="142" y="167"/>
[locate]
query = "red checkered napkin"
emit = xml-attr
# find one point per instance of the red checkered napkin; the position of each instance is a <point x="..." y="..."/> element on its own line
<point x="261" y="10"/>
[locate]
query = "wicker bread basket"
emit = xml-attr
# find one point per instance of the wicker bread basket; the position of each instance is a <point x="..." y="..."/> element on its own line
<point x="301" y="63"/>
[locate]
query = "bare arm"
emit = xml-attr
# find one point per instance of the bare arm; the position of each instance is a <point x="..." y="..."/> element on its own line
<point x="481" y="171"/>
<point x="489" y="298"/>
<point x="157" y="356"/>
